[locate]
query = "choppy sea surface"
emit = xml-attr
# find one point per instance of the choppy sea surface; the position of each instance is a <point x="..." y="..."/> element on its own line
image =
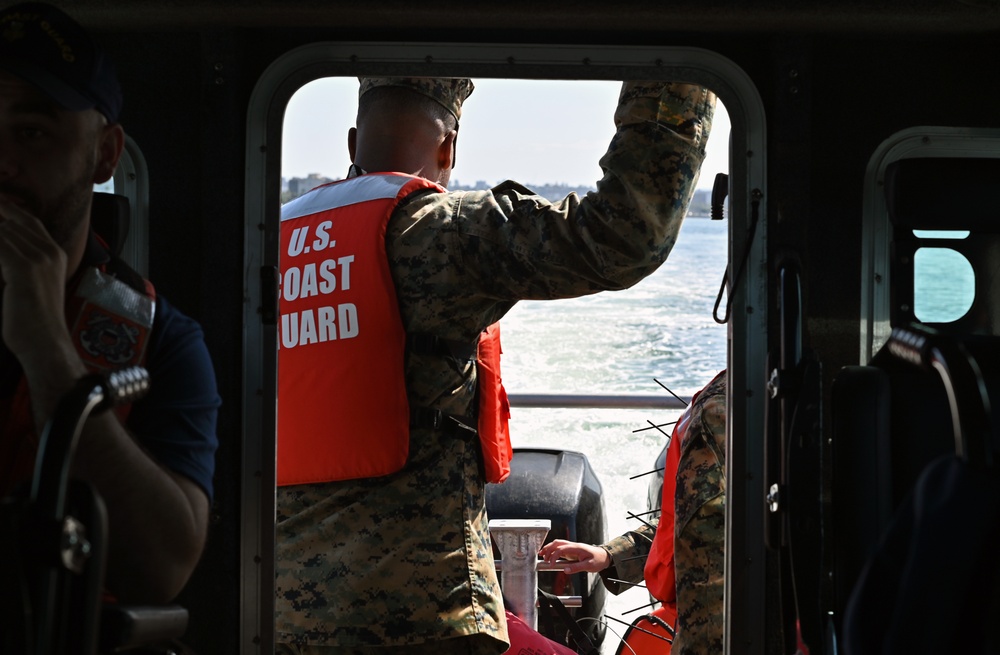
<point x="620" y="342"/>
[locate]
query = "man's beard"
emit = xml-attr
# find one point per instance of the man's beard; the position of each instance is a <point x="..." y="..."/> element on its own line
<point x="63" y="215"/>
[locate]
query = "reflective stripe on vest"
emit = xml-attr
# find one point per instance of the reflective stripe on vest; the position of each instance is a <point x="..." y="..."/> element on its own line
<point x="342" y="411"/>
<point x="110" y="323"/>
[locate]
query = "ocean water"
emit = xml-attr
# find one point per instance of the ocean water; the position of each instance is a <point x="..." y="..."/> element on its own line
<point x="943" y="285"/>
<point x="620" y="342"/>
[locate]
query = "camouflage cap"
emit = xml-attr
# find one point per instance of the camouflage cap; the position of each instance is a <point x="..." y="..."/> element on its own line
<point x="449" y="92"/>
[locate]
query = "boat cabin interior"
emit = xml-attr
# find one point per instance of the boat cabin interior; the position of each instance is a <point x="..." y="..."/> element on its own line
<point x="864" y="148"/>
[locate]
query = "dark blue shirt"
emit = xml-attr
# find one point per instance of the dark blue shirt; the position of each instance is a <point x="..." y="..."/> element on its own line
<point x="176" y="421"/>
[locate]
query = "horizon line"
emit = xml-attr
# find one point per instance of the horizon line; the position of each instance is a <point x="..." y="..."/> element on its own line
<point x="489" y="184"/>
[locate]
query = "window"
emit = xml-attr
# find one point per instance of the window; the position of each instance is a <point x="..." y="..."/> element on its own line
<point x="745" y="335"/>
<point x="944" y="284"/>
<point x="131" y="179"/>
<point x="928" y="233"/>
<point x="612" y="343"/>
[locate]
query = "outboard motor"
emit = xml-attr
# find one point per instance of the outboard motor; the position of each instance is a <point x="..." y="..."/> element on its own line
<point x="561" y="486"/>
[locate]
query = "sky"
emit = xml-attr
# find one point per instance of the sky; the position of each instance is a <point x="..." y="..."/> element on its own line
<point x="532" y="131"/>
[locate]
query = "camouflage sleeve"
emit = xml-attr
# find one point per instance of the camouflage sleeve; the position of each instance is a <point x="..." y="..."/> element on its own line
<point x="461" y="260"/>
<point x="517" y="245"/>
<point x="628" y="557"/>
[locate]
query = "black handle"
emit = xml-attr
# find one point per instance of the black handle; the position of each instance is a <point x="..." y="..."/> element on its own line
<point x="962" y="377"/>
<point x="57" y="445"/>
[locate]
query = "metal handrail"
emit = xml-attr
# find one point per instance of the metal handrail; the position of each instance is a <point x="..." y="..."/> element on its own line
<point x="605" y="401"/>
<point x="540" y="565"/>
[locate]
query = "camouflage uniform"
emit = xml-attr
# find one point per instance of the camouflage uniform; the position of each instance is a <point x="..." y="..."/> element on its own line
<point x="407" y="559"/>
<point x="700" y="526"/>
<point x="628" y="558"/>
<point x="699" y="529"/>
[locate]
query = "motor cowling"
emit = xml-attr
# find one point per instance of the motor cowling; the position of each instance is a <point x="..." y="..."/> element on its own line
<point x="561" y="486"/>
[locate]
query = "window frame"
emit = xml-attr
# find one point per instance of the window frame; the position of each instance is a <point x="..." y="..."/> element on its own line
<point x="745" y="572"/>
<point x="876" y="235"/>
<point x="131" y="179"/>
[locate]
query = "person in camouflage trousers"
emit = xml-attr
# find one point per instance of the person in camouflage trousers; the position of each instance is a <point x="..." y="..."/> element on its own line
<point x="700" y="527"/>
<point x="690" y="572"/>
<point x="404" y="563"/>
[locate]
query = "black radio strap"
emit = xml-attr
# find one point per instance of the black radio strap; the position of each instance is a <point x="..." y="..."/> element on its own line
<point x="584" y="645"/>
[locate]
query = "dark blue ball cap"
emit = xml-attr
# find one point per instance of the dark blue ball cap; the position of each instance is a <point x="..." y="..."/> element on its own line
<point x="42" y="45"/>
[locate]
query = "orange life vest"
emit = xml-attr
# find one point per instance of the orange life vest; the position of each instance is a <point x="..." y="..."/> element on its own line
<point x="654" y="632"/>
<point x="109" y="323"/>
<point x="343" y="411"/>
<point x="494" y="407"/>
<point x="659" y="570"/>
<point x="650" y="634"/>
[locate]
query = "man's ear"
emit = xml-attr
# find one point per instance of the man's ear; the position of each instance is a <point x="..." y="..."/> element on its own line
<point x="111" y="142"/>
<point x="352" y="142"/>
<point x="446" y="151"/>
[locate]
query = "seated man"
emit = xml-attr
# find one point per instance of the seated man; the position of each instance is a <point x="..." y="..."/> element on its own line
<point x="684" y="567"/>
<point x="70" y="308"/>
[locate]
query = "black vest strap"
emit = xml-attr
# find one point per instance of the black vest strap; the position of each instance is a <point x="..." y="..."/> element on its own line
<point x="435" y="419"/>
<point x="422" y="343"/>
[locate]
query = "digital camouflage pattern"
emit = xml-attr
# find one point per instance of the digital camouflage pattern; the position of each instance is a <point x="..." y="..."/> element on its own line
<point x="407" y="558"/>
<point x="628" y="558"/>
<point x="699" y="542"/>
<point x="359" y="560"/>
<point x="700" y="526"/>
<point x="449" y="92"/>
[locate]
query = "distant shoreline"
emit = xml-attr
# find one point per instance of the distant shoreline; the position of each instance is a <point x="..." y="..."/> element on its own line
<point x="293" y="187"/>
